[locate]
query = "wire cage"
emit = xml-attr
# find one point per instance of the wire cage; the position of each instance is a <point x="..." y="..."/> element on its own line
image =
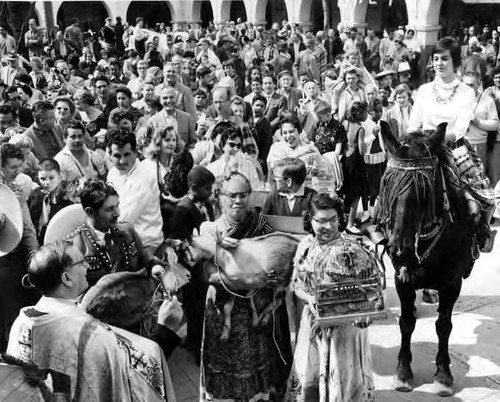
<point x="342" y="299"/>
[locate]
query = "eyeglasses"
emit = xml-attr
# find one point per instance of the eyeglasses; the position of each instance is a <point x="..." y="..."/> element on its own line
<point x="327" y="222"/>
<point x="234" y="145"/>
<point x="235" y="196"/>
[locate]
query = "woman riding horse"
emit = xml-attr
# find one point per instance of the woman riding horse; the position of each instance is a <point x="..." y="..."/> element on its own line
<point x="448" y="100"/>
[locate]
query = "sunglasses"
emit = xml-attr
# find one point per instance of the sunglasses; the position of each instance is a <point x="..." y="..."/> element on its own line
<point x="234" y="145"/>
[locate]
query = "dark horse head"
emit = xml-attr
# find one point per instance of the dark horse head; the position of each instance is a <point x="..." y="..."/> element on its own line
<point x="416" y="202"/>
<point x="422" y="212"/>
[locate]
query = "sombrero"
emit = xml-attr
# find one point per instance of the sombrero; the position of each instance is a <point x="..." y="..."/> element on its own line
<point x="11" y="221"/>
<point x="65" y="222"/>
<point x="383" y="73"/>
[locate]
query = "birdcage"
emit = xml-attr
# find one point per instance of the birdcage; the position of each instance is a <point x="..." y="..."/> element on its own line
<point x="343" y="299"/>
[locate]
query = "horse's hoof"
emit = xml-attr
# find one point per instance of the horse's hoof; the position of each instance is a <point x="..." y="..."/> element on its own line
<point x="442" y="389"/>
<point x="402" y="386"/>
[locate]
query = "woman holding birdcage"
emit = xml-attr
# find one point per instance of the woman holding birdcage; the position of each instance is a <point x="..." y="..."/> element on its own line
<point x="332" y="362"/>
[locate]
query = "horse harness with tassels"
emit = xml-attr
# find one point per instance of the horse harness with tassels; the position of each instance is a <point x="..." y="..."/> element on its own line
<point x="443" y="222"/>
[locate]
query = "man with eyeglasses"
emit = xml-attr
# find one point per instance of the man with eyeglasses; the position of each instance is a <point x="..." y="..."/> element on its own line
<point x="137" y="84"/>
<point x="84" y="357"/>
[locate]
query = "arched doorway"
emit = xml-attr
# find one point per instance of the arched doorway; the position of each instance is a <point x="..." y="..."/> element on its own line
<point x="207" y="13"/>
<point x="151" y="11"/>
<point x="90" y="13"/>
<point x="468" y="13"/>
<point x="317" y="15"/>
<point x="394" y="13"/>
<point x="276" y="12"/>
<point x="237" y="10"/>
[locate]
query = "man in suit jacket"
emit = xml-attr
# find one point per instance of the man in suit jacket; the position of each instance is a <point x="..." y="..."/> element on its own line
<point x="60" y="47"/>
<point x="46" y="136"/>
<point x="184" y="96"/>
<point x="186" y="125"/>
<point x="296" y="46"/>
<point x="276" y="103"/>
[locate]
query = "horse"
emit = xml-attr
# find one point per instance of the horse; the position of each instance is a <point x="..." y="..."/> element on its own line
<point x="423" y="213"/>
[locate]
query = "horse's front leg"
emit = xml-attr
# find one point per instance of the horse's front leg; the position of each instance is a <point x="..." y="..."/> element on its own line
<point x="404" y="376"/>
<point x="443" y="379"/>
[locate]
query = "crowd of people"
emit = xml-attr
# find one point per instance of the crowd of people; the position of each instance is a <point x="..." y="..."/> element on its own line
<point x="158" y="132"/>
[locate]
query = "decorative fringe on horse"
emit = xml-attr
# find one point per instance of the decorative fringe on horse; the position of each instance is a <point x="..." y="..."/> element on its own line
<point x="398" y="178"/>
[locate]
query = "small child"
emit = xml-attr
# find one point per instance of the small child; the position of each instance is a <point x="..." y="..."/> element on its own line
<point x="200" y="101"/>
<point x="291" y="197"/>
<point x="191" y="211"/>
<point x="375" y="157"/>
<point x="45" y="201"/>
<point x="328" y="134"/>
<point x="31" y="165"/>
<point x="195" y="207"/>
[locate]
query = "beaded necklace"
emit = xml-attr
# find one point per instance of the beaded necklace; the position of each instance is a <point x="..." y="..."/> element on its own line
<point x="444" y="101"/>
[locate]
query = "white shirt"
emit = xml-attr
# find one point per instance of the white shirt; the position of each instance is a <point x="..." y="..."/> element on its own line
<point x="140" y="200"/>
<point x="428" y="113"/>
<point x="485" y="109"/>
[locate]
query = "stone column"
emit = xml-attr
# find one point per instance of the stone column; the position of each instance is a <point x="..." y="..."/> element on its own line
<point x="353" y="13"/>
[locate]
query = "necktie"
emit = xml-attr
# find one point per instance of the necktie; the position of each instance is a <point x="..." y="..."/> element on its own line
<point x="44" y="218"/>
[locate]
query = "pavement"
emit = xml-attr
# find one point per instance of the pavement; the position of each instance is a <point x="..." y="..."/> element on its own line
<point x="474" y="344"/>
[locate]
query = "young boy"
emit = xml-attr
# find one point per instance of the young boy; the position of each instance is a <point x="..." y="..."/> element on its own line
<point x="328" y="134"/>
<point x="193" y="209"/>
<point x="375" y="157"/>
<point x="200" y="101"/>
<point x="45" y="201"/>
<point x="291" y="197"/>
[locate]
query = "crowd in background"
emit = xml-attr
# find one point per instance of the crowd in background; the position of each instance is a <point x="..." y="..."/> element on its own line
<point x="166" y="115"/>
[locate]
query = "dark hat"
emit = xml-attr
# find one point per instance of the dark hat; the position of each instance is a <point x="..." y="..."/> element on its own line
<point x="119" y="298"/>
<point x="281" y="45"/>
<point x="284" y="73"/>
<point x="178" y="39"/>
<point x="199" y="176"/>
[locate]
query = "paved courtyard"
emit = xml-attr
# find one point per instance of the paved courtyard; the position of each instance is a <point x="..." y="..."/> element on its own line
<point x="474" y="344"/>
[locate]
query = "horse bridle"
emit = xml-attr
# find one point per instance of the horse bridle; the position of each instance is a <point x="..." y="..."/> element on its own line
<point x="428" y="163"/>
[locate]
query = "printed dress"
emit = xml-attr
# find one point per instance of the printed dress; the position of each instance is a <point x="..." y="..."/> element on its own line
<point x="330" y="364"/>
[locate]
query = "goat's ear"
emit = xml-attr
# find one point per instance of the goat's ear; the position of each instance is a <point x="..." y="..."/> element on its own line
<point x="436" y="140"/>
<point x="390" y="140"/>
